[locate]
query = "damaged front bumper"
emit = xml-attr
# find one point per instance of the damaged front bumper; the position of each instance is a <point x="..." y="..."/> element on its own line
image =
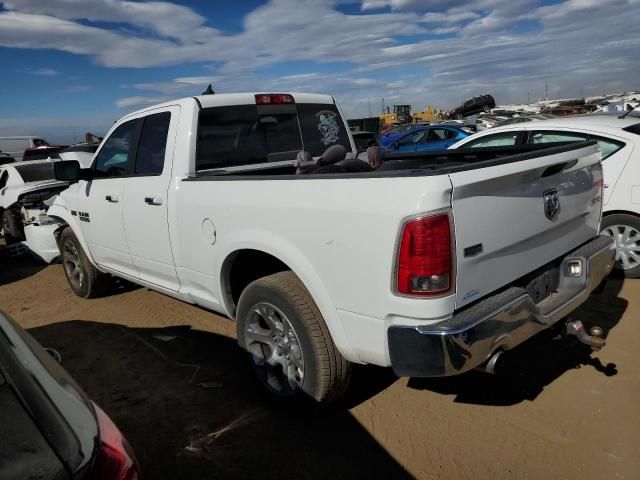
<point x="499" y="322"/>
<point x="41" y="240"/>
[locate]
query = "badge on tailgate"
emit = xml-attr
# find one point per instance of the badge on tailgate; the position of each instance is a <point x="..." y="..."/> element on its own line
<point x="551" y="203"/>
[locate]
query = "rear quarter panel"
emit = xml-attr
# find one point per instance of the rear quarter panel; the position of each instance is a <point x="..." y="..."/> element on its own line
<point x="338" y="235"/>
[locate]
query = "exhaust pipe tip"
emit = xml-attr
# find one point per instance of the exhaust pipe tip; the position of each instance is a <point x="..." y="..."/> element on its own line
<point x="495" y="363"/>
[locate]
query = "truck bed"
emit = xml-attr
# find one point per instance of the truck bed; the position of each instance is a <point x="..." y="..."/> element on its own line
<point x="406" y="164"/>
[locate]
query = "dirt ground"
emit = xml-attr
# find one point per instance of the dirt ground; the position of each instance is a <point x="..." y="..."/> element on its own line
<point x="558" y="412"/>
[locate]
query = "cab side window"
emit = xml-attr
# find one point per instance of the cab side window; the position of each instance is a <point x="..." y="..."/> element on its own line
<point x="4" y="177"/>
<point x="502" y="139"/>
<point x="113" y="158"/>
<point x="552" y="137"/>
<point x="152" y="144"/>
<point x="607" y="146"/>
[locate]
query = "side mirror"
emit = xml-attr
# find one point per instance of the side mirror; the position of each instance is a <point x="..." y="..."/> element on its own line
<point x="67" y="171"/>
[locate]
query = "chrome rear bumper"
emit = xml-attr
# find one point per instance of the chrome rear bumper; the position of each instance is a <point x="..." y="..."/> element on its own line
<point x="499" y="322"/>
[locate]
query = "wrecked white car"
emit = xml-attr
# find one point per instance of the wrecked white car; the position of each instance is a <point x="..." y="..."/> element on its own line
<point x="27" y="189"/>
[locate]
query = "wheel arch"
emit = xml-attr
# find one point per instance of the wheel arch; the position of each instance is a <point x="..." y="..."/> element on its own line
<point x="255" y="261"/>
<point x="620" y="212"/>
<point x="65" y="219"/>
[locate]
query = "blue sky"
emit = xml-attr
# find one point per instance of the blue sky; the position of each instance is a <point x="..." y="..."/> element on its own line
<point x="71" y="66"/>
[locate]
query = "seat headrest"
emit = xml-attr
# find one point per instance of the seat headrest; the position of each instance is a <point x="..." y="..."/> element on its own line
<point x="374" y="157"/>
<point x="332" y="155"/>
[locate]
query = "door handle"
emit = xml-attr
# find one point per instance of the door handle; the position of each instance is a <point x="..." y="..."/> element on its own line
<point x="112" y="198"/>
<point x="153" y="200"/>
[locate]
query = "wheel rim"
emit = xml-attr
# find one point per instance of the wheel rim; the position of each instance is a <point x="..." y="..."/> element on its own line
<point x="72" y="264"/>
<point x="274" y="347"/>
<point x="627" y="245"/>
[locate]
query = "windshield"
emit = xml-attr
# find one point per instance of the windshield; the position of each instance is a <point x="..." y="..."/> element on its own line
<point x="250" y="134"/>
<point x="36" y="172"/>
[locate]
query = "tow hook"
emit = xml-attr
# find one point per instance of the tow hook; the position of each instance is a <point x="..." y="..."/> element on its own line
<point x="594" y="339"/>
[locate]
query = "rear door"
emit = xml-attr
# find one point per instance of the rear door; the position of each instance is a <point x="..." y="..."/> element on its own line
<point x="506" y="225"/>
<point x="145" y="199"/>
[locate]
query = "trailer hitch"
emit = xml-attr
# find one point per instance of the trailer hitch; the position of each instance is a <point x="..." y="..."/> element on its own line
<point x="593" y="338"/>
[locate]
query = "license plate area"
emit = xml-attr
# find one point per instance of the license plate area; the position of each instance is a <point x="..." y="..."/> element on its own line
<point x="542" y="283"/>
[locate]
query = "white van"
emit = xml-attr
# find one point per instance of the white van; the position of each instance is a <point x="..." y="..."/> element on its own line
<point x="15" y="146"/>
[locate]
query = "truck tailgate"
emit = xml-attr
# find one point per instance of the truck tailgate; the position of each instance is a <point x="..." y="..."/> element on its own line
<point x="515" y="216"/>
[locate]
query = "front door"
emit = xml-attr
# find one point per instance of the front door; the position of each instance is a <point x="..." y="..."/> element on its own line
<point x="100" y="201"/>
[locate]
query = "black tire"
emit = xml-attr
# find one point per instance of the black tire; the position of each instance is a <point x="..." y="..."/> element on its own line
<point x="12" y="228"/>
<point x="85" y="280"/>
<point x="326" y="374"/>
<point x="614" y="225"/>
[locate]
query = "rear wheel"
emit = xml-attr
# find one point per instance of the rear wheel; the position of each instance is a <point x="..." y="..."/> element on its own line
<point x="85" y="280"/>
<point x="289" y="345"/>
<point x="625" y="230"/>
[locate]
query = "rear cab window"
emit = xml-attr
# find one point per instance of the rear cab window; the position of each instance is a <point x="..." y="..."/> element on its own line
<point x="243" y="135"/>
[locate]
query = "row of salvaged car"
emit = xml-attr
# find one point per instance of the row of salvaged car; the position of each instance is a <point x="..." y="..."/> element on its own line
<point x="28" y="188"/>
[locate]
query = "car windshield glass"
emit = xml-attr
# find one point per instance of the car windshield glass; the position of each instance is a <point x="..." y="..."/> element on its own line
<point x="36" y="172"/>
<point x="249" y="134"/>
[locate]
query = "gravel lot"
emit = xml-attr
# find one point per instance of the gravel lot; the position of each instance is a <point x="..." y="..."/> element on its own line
<point x="559" y="411"/>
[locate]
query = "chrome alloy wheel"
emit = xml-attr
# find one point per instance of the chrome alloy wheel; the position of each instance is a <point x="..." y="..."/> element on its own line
<point x="72" y="264"/>
<point x="627" y="245"/>
<point x="274" y="347"/>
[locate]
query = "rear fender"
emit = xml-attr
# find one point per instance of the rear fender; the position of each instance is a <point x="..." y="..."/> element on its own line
<point x="291" y="256"/>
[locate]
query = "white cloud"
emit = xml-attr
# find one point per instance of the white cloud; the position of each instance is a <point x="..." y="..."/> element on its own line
<point x="571" y="44"/>
<point x="139" y="101"/>
<point x="450" y="16"/>
<point x="46" y="72"/>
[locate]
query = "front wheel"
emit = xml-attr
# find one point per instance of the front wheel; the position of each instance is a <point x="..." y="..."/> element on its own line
<point x="625" y="230"/>
<point x="85" y="280"/>
<point x="289" y="345"/>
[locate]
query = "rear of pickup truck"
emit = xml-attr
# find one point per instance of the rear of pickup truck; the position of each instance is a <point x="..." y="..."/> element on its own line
<point x="429" y="263"/>
<point x="524" y="253"/>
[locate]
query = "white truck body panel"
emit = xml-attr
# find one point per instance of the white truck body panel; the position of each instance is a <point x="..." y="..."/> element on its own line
<point x="488" y="199"/>
<point x="338" y="235"/>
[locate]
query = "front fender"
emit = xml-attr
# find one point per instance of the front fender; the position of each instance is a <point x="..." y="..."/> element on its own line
<point x="295" y="259"/>
<point x="60" y="212"/>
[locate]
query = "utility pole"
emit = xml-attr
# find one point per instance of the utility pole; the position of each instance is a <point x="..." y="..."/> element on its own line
<point x="528" y="98"/>
<point x="369" y="103"/>
<point x="546" y="90"/>
<point x="382" y="104"/>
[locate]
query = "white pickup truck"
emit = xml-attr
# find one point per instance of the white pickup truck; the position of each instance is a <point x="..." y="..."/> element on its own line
<point x="431" y="264"/>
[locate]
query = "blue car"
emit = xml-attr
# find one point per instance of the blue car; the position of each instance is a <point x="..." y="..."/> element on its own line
<point x="397" y="131"/>
<point x="428" y="138"/>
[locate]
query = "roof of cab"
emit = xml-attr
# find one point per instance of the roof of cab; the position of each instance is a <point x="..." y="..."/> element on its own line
<point x="225" y="99"/>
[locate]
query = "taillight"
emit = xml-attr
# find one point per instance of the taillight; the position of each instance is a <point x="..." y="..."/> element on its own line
<point x="425" y="263"/>
<point x="115" y="459"/>
<point x="273" y="98"/>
